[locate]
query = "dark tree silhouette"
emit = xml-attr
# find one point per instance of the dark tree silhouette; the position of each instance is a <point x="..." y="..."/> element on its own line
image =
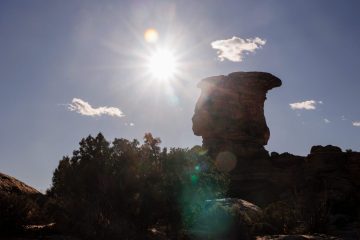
<point x="121" y="189"/>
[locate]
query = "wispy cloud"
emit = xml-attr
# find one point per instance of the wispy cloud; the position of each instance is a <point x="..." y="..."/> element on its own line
<point x="356" y="124"/>
<point x="306" y="105"/>
<point x="84" y="108"/>
<point x="326" y="120"/>
<point x="233" y="49"/>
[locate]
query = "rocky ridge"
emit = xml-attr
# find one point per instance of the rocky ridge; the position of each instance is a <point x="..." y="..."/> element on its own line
<point x="10" y="184"/>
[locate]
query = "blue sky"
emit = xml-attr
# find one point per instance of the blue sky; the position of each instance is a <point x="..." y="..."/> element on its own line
<point x="54" y="51"/>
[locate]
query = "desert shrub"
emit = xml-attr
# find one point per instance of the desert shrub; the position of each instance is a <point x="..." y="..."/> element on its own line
<point x="16" y="211"/>
<point x="314" y="211"/>
<point x="303" y="213"/>
<point x="227" y="218"/>
<point x="282" y="216"/>
<point x="107" y="191"/>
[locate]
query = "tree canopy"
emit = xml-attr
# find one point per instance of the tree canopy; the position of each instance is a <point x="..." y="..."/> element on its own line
<point x="123" y="188"/>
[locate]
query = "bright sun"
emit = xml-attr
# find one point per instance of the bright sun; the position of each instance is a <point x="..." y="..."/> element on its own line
<point x="162" y="65"/>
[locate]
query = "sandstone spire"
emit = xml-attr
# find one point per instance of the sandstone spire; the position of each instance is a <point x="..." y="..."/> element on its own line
<point x="229" y="114"/>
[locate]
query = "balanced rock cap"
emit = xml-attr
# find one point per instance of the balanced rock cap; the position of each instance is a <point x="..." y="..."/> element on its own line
<point x="255" y="80"/>
<point x="231" y="107"/>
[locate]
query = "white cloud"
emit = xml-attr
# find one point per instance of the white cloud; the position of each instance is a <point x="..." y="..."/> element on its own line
<point x="326" y="120"/>
<point x="320" y="102"/>
<point x="307" y="105"/>
<point x="234" y="48"/>
<point x="356" y="124"/>
<point x="84" y="108"/>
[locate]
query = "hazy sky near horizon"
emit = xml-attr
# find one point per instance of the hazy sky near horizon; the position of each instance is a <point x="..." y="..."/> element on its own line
<point x="73" y="68"/>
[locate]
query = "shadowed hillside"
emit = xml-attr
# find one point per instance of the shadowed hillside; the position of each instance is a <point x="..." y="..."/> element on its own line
<point x="20" y="205"/>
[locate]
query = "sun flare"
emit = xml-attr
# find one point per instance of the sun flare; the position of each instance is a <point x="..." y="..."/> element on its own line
<point x="162" y="64"/>
<point x="151" y="35"/>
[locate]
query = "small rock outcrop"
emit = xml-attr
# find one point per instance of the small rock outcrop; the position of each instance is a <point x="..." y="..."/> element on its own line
<point x="18" y="205"/>
<point x="10" y="184"/>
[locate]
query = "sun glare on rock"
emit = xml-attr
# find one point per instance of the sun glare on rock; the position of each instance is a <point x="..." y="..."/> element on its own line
<point x="162" y="64"/>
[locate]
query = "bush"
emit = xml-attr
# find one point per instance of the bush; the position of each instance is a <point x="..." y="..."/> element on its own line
<point x="282" y="216"/>
<point x="308" y="213"/>
<point x="16" y="211"/>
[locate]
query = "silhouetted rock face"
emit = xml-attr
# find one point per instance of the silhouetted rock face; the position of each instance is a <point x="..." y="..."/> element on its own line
<point x="334" y="173"/>
<point x="229" y="114"/>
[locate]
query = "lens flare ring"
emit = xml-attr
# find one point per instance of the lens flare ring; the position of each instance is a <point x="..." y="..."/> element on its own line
<point x="151" y="35"/>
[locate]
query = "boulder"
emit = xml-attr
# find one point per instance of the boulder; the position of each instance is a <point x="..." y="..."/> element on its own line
<point x="227" y="218"/>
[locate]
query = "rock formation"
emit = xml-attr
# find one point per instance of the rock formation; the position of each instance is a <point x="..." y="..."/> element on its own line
<point x="322" y="188"/>
<point x="18" y="205"/>
<point x="229" y="114"/>
<point x="9" y="184"/>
